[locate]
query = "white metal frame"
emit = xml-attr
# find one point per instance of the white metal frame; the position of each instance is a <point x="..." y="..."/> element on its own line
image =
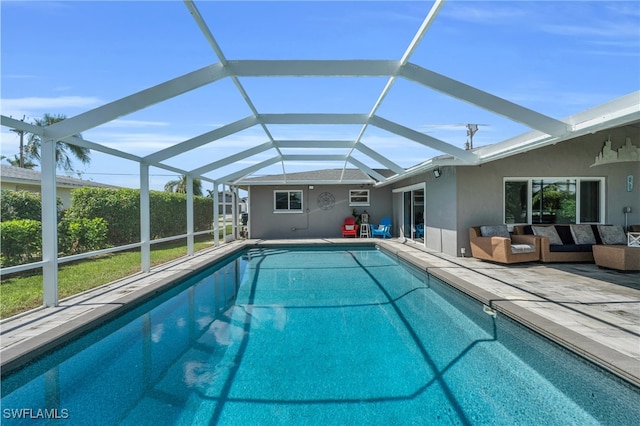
<point x="545" y="130"/>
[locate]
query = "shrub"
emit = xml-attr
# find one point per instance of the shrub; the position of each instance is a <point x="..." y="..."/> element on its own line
<point x="21" y="241"/>
<point x="82" y="235"/>
<point x="120" y="208"/>
<point x="15" y="205"/>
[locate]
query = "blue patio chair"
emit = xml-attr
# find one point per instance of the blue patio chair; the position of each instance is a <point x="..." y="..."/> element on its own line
<point x="419" y="233"/>
<point x="383" y="230"/>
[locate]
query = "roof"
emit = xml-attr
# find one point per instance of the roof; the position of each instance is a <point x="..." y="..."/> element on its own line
<point x="317" y="177"/>
<point x="33" y="177"/>
<point x="361" y="125"/>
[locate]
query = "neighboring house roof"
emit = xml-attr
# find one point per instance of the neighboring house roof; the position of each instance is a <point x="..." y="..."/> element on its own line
<point x="33" y="177"/>
<point x="316" y="177"/>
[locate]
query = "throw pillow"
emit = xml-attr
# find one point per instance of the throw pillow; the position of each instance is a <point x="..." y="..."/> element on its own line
<point x="348" y="227"/>
<point x="549" y="232"/>
<point x="565" y="234"/>
<point x="495" y="231"/>
<point x="582" y="234"/>
<point x="612" y="234"/>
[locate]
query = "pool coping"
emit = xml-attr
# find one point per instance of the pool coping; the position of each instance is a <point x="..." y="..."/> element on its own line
<point x="141" y="287"/>
<point x="601" y="355"/>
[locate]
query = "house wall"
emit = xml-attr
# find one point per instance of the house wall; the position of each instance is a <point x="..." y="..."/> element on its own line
<point x="480" y="191"/>
<point x="466" y="196"/>
<point x="314" y="222"/>
<point x="441" y="211"/>
<point x="440" y="208"/>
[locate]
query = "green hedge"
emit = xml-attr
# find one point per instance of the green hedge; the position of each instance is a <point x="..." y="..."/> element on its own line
<point x="120" y="208"/>
<point x="20" y="241"/>
<point x="16" y="205"/>
<point x="98" y="218"/>
<point x="82" y="235"/>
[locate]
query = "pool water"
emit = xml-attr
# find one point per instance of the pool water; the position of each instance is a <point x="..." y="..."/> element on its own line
<point x="305" y="337"/>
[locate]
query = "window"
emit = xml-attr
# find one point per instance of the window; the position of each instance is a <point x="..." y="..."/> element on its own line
<point x="553" y="200"/>
<point x="287" y="201"/>
<point x="590" y="201"/>
<point x="516" y="201"/>
<point x="359" y="197"/>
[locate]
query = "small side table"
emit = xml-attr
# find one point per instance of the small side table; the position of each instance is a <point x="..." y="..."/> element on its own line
<point x="365" y="230"/>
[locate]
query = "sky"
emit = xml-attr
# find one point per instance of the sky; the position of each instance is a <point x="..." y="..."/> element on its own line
<point x="68" y="57"/>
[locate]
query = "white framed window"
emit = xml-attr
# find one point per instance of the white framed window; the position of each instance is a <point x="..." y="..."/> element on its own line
<point x="359" y="197"/>
<point x="553" y="200"/>
<point x="287" y="201"/>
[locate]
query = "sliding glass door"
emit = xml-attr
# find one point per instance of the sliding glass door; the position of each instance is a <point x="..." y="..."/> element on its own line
<point x="413" y="217"/>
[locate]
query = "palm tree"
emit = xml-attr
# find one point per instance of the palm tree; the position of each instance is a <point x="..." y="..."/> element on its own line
<point x="15" y="162"/>
<point x="180" y="186"/>
<point x="64" y="150"/>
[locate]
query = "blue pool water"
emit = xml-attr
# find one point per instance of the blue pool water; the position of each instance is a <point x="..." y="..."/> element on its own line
<point x="305" y="337"/>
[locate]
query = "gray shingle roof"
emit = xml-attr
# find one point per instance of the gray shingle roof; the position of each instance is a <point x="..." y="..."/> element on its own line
<point x="26" y="176"/>
<point x="349" y="177"/>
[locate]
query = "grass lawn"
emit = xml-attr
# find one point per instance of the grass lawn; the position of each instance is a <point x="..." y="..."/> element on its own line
<point x="24" y="292"/>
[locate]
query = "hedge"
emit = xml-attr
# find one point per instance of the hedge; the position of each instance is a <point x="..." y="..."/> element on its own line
<point x="120" y="208"/>
<point x="82" y="235"/>
<point x="20" y="241"/>
<point x="16" y="205"/>
<point x="98" y="218"/>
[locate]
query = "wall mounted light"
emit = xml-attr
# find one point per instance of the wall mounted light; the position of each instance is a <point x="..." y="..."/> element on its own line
<point x="437" y="173"/>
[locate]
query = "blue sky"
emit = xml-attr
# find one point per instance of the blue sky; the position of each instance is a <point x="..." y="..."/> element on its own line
<point x="558" y="58"/>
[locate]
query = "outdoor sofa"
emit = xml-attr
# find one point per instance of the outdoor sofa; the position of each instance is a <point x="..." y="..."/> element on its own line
<point x="571" y="242"/>
<point x="494" y="243"/>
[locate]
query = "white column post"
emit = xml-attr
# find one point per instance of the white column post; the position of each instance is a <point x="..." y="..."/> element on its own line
<point x="216" y="216"/>
<point x="145" y="219"/>
<point x="234" y="211"/>
<point x="224" y="213"/>
<point x="49" y="222"/>
<point x="190" y="215"/>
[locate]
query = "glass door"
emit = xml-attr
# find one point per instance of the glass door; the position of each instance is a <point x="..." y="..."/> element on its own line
<point x="413" y="203"/>
<point x="418" y="214"/>
<point x="408" y="213"/>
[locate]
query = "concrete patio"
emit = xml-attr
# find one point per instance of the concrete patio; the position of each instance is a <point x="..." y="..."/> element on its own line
<point x="594" y="312"/>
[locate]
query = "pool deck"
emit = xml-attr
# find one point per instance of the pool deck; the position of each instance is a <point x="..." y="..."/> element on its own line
<point x="594" y="312"/>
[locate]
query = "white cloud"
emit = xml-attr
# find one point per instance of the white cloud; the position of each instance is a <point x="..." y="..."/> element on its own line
<point x="467" y="12"/>
<point x="134" y="143"/>
<point x="135" y="123"/>
<point x="34" y="106"/>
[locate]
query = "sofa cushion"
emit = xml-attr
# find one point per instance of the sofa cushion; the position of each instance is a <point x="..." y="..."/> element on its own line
<point x="495" y="231"/>
<point x="522" y="248"/>
<point x="612" y="234"/>
<point x="568" y="248"/>
<point x="564" y="231"/>
<point x="582" y="234"/>
<point x="547" y="231"/>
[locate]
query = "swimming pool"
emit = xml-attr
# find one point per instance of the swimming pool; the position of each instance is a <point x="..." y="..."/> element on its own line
<point x="292" y="336"/>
